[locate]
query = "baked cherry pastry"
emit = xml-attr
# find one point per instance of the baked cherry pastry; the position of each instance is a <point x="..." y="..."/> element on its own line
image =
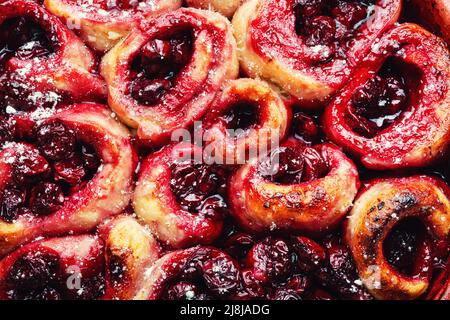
<point x="65" y="174"/>
<point x="434" y="14"/>
<point x="391" y="215"/>
<point x="259" y="205"/>
<point x="395" y="113"/>
<point x="198" y="273"/>
<point x="309" y="48"/>
<point x="130" y="249"/>
<point x="180" y="197"/>
<point x="107" y="266"/>
<point x="164" y="75"/>
<point x="225" y="7"/>
<point x="101" y="23"/>
<point x="41" y="61"/>
<point x="48" y="269"/>
<point x="247" y="118"/>
<point x="296" y="188"/>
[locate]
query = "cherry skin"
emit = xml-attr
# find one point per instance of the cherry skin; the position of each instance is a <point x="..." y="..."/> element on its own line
<point x="294" y="165"/>
<point x="185" y="291"/>
<point x="305" y="128"/>
<point x="33" y="270"/>
<point x="46" y="198"/>
<point x="12" y="199"/>
<point x="270" y="259"/>
<point x="308" y="8"/>
<point x="198" y="188"/>
<point x="29" y="166"/>
<point x="156" y="67"/>
<point x="349" y="13"/>
<point x="56" y="141"/>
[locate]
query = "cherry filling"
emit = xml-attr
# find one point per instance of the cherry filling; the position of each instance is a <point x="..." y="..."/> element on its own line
<point x="39" y="275"/>
<point x="154" y="70"/>
<point x="241" y="117"/>
<point x="207" y="275"/>
<point x="330" y="24"/>
<point x="407" y="249"/>
<point x="293" y="165"/>
<point x="338" y="273"/>
<point x="383" y="99"/>
<point x="23" y="38"/>
<point x="50" y="166"/>
<point x="306" y="128"/>
<point x="291" y="268"/>
<point x="199" y="188"/>
<point x="117" y="269"/>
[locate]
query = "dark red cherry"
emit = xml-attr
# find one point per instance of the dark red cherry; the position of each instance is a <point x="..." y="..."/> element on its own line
<point x="286" y="294"/>
<point x="33" y="270"/>
<point x="315" y="165"/>
<point x="29" y="166"/>
<point x="284" y="165"/>
<point x="221" y="275"/>
<point x="298" y="284"/>
<point x="380" y="96"/>
<point x="89" y="158"/>
<point x="196" y="186"/>
<point x="154" y="58"/>
<point x="55" y="140"/>
<point x="305" y="128"/>
<point x="6" y="130"/>
<point x="243" y="115"/>
<point x="339" y="272"/>
<point x="339" y="258"/>
<point x="238" y="245"/>
<point x="12" y="199"/>
<point x="213" y="207"/>
<point x="181" y="49"/>
<point x="155" y="69"/>
<point x="26" y="38"/>
<point x="70" y="170"/>
<point x="308" y="8"/>
<point x="310" y="254"/>
<point x="92" y="287"/>
<point x="349" y="13"/>
<point x="395" y="92"/>
<point x="377" y="104"/>
<point x="402" y="246"/>
<point x="252" y="287"/>
<point x="270" y="260"/>
<point x="149" y="92"/>
<point x="24" y="128"/>
<point x="184" y="291"/>
<point x="320" y="31"/>
<point x="156" y="50"/>
<point x="46" y="198"/>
